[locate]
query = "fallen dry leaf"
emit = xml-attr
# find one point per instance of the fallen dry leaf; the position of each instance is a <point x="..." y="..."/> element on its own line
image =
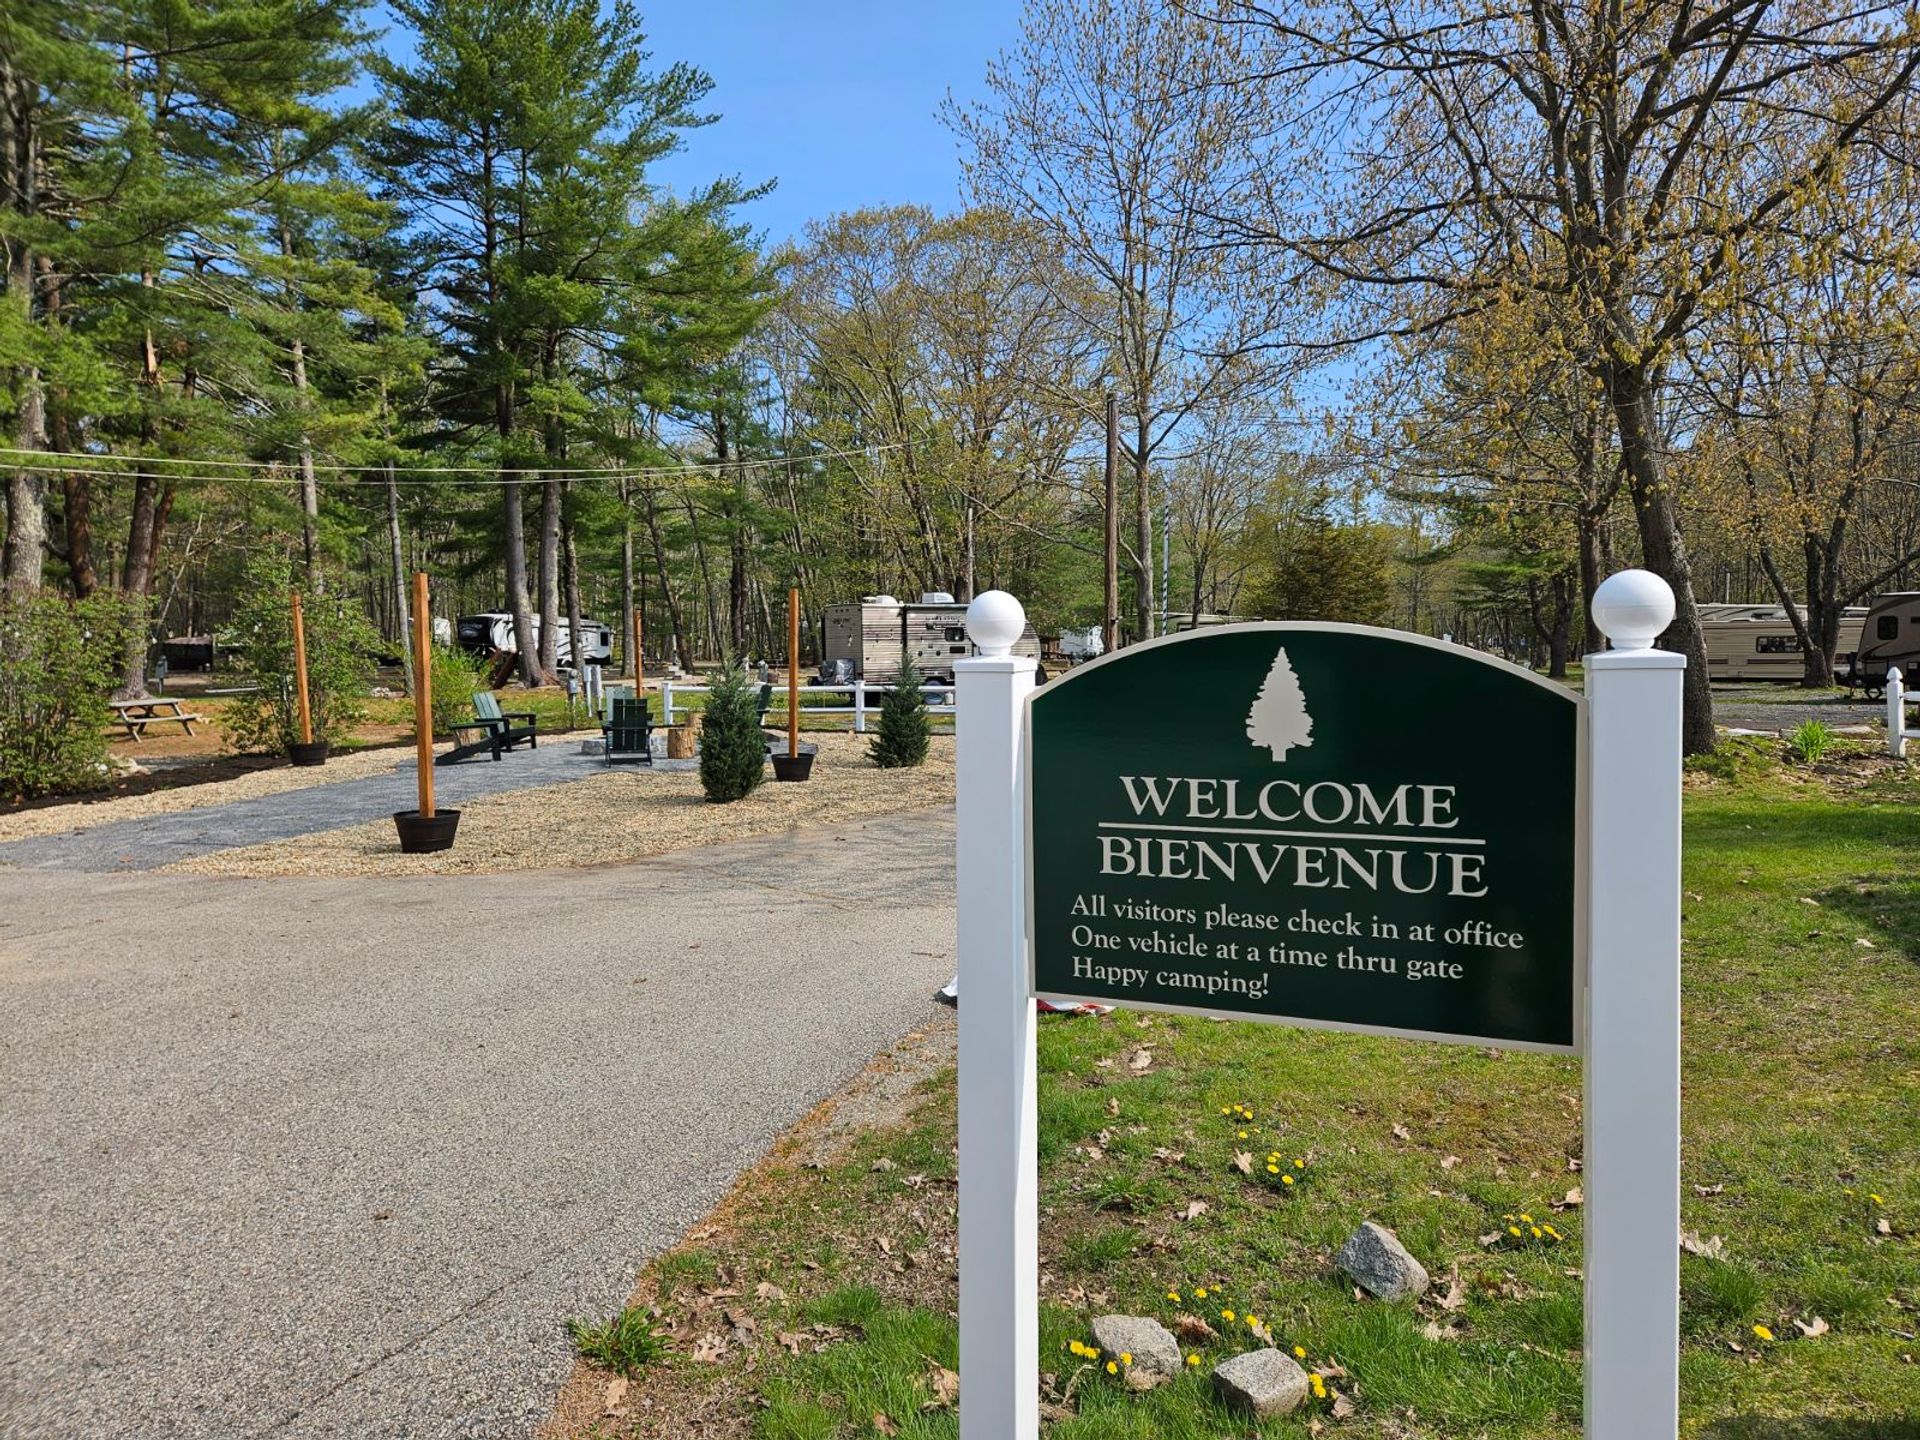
<point x="1141" y="1059"/>
<point x="883" y="1424"/>
<point x="1113" y="1106"/>
<point x="1813" y="1327"/>
<point x="1713" y="1248"/>
<point x="1194" y="1209"/>
<point x="1574" y="1199"/>
<point x="1456" y="1296"/>
<point x="1713" y="1189"/>
<point x="709" y="1349"/>
<point x="1194" y="1330"/>
<point x="1447" y="1162"/>
<point x="790" y="1342"/>
<point x="616" y="1393"/>
<point x="1490" y="1239"/>
<point x="1243" y="1161"/>
<point x="1400" y="1132"/>
<point x="1343" y="1408"/>
<point x="945" y="1386"/>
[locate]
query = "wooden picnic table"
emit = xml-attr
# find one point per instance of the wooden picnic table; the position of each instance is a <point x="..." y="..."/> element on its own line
<point x="136" y="715"/>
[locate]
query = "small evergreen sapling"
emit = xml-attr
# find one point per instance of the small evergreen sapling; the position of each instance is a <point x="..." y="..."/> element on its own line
<point x="905" y="730"/>
<point x="733" y="752"/>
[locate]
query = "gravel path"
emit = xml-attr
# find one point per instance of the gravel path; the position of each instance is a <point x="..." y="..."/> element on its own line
<point x="1784" y="708"/>
<point x="155" y="836"/>
<point x="338" y="1157"/>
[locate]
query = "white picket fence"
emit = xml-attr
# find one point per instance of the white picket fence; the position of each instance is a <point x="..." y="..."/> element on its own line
<point x="1897" y="701"/>
<point x="939" y="700"/>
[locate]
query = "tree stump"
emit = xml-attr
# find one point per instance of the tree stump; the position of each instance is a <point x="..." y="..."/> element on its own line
<point x="684" y="739"/>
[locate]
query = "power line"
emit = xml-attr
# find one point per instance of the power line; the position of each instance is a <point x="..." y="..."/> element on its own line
<point x="286" y="471"/>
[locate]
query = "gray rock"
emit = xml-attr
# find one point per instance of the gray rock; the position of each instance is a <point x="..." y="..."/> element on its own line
<point x="1381" y="1265"/>
<point x="1261" y="1382"/>
<point x="1156" y="1354"/>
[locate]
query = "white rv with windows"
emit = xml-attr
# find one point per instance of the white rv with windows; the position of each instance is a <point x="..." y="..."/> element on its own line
<point x="491" y="634"/>
<point x="869" y="640"/>
<point x="1758" y="642"/>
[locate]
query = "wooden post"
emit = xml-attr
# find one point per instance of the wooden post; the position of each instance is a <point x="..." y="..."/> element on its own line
<point x="793" y="670"/>
<point x="639" y="652"/>
<point x="300" y="671"/>
<point x="423" y="692"/>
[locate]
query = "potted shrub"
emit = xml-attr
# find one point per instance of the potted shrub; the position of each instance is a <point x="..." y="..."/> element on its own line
<point x="733" y="750"/>
<point x="905" y="728"/>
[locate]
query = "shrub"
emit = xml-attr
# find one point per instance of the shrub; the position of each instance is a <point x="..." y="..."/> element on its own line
<point x="341" y="645"/>
<point x="733" y="752"/>
<point x="457" y="677"/>
<point x="59" y="661"/>
<point x="1810" y="740"/>
<point x="905" y="730"/>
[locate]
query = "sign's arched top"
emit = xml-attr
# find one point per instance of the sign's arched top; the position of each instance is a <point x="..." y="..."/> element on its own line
<point x="1326" y="824"/>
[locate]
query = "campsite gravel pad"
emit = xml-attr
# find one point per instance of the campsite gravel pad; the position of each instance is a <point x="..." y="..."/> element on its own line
<point x="153" y="840"/>
<point x="1740" y="712"/>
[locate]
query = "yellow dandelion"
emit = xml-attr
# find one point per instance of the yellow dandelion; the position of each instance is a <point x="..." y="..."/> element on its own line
<point x="1200" y="1291"/>
<point x="1299" y="1164"/>
<point x="1319" y="1386"/>
<point x="1126" y="1357"/>
<point x="1551" y="1231"/>
<point x="1193" y="1359"/>
<point x="1763" y="1332"/>
<point x="1875" y="1198"/>
<point x="1526" y="1219"/>
<point x="1112" y="1369"/>
<point x="1514" y="1230"/>
<point x="1299" y="1352"/>
<point x="1273" y="1169"/>
<point x="1226" y="1109"/>
<point x="1253" y="1322"/>
<point x="1174" y="1295"/>
<point x="1226" y="1314"/>
<point x="1243" y="1134"/>
<point x="1286" y="1179"/>
<point x="1536" y="1232"/>
<point x="1076" y="1347"/>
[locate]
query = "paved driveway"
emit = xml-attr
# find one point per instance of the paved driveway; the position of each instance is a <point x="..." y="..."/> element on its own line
<point x="338" y="1157"/>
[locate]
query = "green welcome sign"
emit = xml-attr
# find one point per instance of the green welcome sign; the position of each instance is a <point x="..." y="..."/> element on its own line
<point x="1324" y="825"/>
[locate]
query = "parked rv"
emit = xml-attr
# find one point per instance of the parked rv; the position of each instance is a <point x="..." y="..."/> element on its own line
<point x="492" y="634"/>
<point x="880" y="632"/>
<point x="1889" y="636"/>
<point x="1758" y="642"/>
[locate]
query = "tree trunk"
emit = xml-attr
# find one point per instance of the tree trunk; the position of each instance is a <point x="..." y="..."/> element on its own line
<point x="398" y="555"/>
<point x="23" y="557"/>
<point x="1630" y="391"/>
<point x="549" y="577"/>
<point x="515" y="507"/>
<point x="1143" y="529"/>
<point x="683" y="644"/>
<point x="576" y="617"/>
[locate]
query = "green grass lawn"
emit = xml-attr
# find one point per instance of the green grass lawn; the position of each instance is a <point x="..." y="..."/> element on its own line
<point x="1802" y="1153"/>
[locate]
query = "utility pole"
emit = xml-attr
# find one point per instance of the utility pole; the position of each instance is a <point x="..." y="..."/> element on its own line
<point x="1110" y="613"/>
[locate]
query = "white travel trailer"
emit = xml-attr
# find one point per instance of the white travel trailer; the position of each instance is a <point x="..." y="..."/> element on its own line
<point x="876" y="635"/>
<point x="492" y="634"/>
<point x="1758" y="642"/>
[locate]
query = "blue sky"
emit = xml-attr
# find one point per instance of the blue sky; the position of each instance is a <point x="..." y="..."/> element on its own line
<point x="835" y="99"/>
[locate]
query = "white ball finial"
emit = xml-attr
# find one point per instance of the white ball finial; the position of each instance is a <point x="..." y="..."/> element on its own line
<point x="1632" y="608"/>
<point x="995" y="621"/>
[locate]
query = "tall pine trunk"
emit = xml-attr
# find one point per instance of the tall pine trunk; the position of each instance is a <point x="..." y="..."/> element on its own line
<point x="397" y="554"/>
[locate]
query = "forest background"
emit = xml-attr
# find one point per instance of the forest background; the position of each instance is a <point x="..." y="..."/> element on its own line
<point x="1375" y="312"/>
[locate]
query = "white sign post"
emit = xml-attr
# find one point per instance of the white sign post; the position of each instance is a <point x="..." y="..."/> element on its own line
<point x="1631" y="835"/>
<point x="999" y="1161"/>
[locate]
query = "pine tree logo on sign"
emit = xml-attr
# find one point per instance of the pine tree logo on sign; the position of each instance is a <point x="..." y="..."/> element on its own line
<point x="1279" y="718"/>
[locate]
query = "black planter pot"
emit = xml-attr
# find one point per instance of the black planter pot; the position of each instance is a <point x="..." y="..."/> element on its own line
<point x="422" y="835"/>
<point x="792" y="767"/>
<point x="312" y="753"/>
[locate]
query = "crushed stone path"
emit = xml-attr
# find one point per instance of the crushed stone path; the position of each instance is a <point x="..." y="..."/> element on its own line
<point x="304" y="1158"/>
<point x="151" y="841"/>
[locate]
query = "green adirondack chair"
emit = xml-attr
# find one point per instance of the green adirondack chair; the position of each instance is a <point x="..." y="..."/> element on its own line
<point x="625" y="731"/>
<point x="495" y="730"/>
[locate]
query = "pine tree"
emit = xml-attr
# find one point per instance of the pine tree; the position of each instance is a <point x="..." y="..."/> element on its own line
<point x="904" y="728"/>
<point x="1279" y="718"/>
<point x="733" y="751"/>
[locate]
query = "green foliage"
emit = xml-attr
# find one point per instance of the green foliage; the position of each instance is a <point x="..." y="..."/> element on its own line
<point x="733" y="752"/>
<point x="58" y="660"/>
<point x="1313" y="569"/>
<point x="341" y="645"/>
<point x="1810" y="740"/>
<point x="457" y="677"/>
<point x="625" y="1344"/>
<point x="904" y="725"/>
